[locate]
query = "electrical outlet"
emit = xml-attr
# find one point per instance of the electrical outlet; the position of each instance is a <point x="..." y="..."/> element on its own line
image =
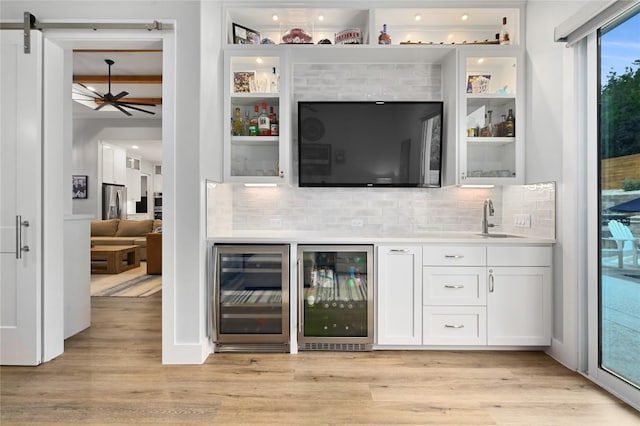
<point x="522" y="220"/>
<point x="357" y="223"/>
<point x="276" y="222"/>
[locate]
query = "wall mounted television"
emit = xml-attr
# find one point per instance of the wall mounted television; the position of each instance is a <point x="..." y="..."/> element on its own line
<point x="370" y="144"/>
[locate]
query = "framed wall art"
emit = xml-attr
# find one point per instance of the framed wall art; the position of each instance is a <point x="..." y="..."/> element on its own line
<point x="244" y="35"/>
<point x="242" y="81"/>
<point x="80" y="186"/>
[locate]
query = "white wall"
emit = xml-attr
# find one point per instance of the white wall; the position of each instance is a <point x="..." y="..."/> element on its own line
<point x="546" y="160"/>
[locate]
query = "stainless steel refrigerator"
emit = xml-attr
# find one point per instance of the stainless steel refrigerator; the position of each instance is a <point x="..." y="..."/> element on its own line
<point x="114" y="201"/>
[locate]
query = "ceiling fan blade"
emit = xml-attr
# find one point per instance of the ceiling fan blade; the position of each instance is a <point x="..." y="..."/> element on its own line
<point x="121" y="109"/>
<point x="120" y="95"/>
<point x="137" y="103"/>
<point x="132" y="107"/>
<point x="89" y="90"/>
<point x="100" y="106"/>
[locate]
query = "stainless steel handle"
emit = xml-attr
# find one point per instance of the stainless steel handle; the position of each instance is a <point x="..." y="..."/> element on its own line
<point x="453" y="286"/>
<point x="454" y="326"/>
<point x="491" y="281"/>
<point x="215" y="294"/>
<point x="398" y="250"/>
<point x="19" y="247"/>
<point x="453" y="256"/>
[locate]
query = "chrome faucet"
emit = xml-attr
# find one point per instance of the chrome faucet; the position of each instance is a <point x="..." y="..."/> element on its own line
<point x="487" y="210"/>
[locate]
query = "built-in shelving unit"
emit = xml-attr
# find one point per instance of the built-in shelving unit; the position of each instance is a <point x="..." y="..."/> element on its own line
<point x="457" y="37"/>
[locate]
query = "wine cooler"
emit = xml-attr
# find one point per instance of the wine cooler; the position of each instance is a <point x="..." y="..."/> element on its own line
<point x="335" y="286"/>
<point x="250" y="303"/>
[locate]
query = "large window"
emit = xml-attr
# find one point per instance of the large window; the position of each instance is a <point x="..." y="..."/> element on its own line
<point x="619" y="181"/>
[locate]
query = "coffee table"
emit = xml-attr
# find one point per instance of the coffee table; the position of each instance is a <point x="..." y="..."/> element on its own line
<point x="114" y="259"/>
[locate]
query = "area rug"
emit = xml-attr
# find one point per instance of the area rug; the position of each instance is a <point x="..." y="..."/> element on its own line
<point x="130" y="284"/>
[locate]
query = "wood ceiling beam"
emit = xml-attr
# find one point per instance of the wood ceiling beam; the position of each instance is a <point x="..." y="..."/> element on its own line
<point x="119" y="79"/>
<point x="148" y="101"/>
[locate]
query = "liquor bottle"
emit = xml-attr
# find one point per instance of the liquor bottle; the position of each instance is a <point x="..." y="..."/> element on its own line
<point x="264" y="124"/>
<point x="237" y="123"/>
<point x="490" y="129"/>
<point x="246" y="124"/>
<point x="253" y="123"/>
<point x="275" y="126"/>
<point x="510" y="125"/>
<point x="275" y="81"/>
<point x="504" y="33"/>
<point x="384" y="38"/>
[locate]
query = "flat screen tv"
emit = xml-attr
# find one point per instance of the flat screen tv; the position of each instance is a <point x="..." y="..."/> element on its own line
<point x="370" y="144"/>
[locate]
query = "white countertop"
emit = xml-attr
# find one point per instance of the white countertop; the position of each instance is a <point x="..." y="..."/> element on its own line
<point x="253" y="237"/>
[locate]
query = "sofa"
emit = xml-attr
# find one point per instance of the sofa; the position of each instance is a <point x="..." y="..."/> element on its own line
<point x="124" y="232"/>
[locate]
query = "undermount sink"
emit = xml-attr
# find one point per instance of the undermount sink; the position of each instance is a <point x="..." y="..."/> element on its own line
<point x="491" y="235"/>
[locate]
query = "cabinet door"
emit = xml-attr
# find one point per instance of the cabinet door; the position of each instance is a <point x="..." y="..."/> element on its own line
<point x="492" y="116"/>
<point x="120" y="166"/>
<point x="256" y="77"/>
<point x="133" y="185"/>
<point x="519" y="306"/>
<point x="107" y="164"/>
<point x="399" y="298"/>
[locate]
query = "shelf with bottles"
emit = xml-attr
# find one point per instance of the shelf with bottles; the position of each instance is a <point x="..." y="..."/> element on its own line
<point x="306" y="23"/>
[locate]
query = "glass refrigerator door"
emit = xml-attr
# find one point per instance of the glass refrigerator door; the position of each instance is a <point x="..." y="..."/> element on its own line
<point x="251" y="291"/>
<point x="336" y="290"/>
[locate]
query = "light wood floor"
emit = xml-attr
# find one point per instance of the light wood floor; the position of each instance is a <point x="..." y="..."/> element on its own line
<point x="112" y="373"/>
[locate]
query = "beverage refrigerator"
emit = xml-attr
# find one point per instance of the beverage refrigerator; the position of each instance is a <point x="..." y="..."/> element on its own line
<point x="250" y="297"/>
<point x="336" y="299"/>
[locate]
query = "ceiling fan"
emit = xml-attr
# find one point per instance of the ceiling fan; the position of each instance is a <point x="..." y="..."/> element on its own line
<point x="108" y="98"/>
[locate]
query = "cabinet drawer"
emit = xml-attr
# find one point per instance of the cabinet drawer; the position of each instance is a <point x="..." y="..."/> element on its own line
<point x="519" y="256"/>
<point x="454" y="325"/>
<point x="454" y="255"/>
<point x="454" y="286"/>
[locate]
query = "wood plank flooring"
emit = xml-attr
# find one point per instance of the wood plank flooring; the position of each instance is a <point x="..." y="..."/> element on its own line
<point x="112" y="373"/>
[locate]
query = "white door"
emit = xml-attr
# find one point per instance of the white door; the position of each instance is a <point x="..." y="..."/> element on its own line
<point x="20" y="199"/>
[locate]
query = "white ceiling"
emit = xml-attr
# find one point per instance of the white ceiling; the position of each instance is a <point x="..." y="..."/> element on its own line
<point x="130" y="63"/>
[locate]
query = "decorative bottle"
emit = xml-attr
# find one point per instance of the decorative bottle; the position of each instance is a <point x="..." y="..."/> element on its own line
<point x="384" y="38"/>
<point x="504" y="33"/>
<point x="273" y="118"/>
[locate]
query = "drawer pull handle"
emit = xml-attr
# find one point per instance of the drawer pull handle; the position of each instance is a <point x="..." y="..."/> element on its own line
<point x="399" y="250"/>
<point x="456" y="286"/>
<point x="453" y="256"/>
<point x="454" y="326"/>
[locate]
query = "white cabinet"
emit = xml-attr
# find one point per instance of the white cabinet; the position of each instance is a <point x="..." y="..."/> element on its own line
<point x="464" y="295"/>
<point x="134" y="184"/>
<point x="114" y="164"/>
<point x="491" y="149"/>
<point x="519" y="296"/>
<point x="399" y="307"/>
<point x="157" y="179"/>
<point x="255" y="82"/>
<point x="454" y="295"/>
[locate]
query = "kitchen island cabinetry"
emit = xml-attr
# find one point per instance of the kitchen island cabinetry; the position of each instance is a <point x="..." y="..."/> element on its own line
<point x="399" y="308"/>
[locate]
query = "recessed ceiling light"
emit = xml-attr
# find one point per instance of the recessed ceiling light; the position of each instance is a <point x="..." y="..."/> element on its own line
<point x="135" y="147"/>
<point x="320" y="17"/>
<point x="480" y="60"/>
<point x="259" y="60"/>
<point x="274" y="17"/>
<point x="465" y="17"/>
<point x="418" y="17"/>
